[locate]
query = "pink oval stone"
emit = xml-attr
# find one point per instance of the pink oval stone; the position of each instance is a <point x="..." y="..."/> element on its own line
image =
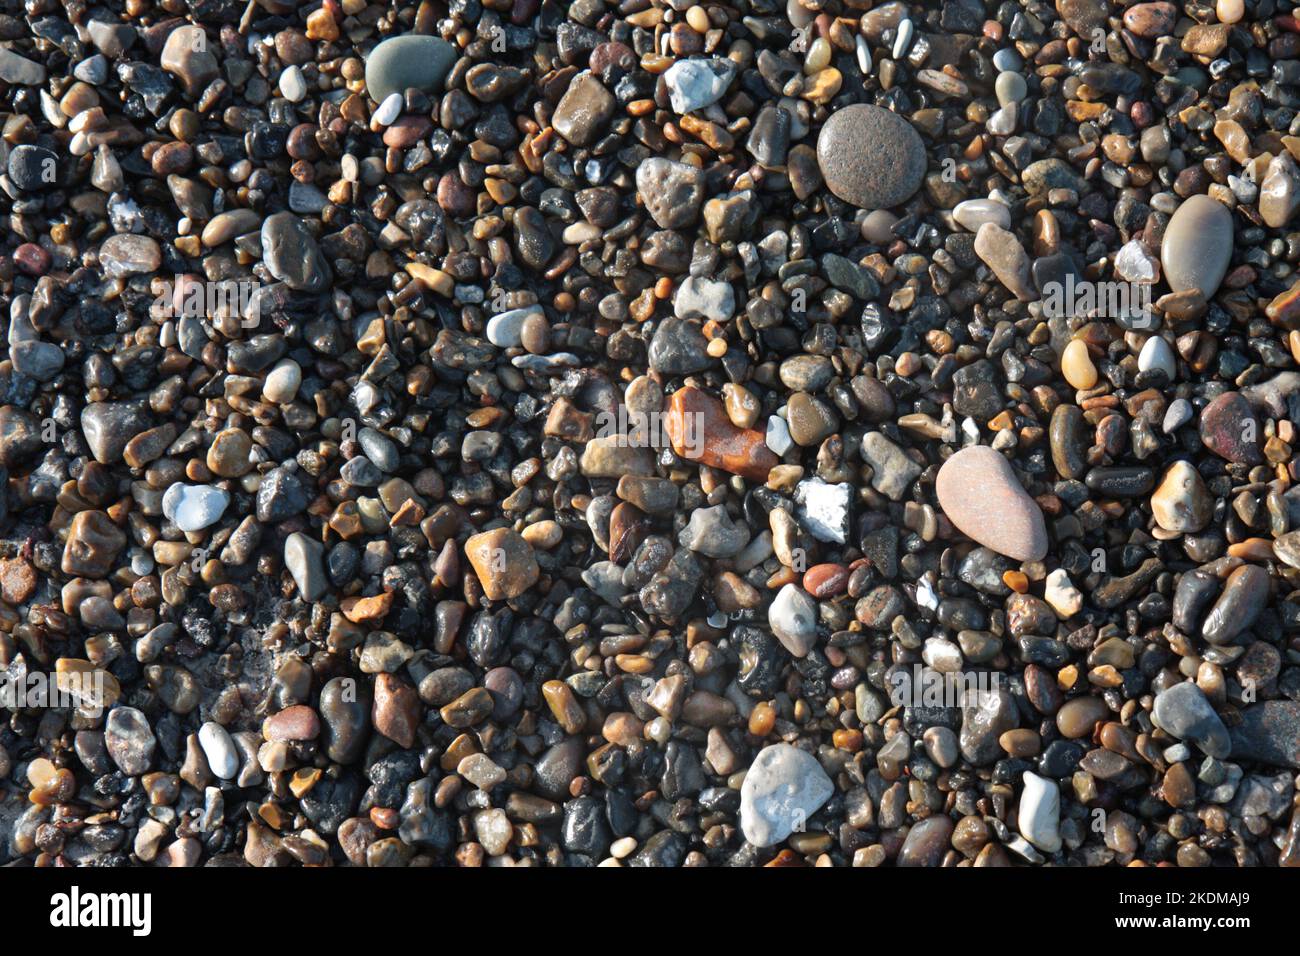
<point x="298" y="722"/>
<point x="980" y="494"/>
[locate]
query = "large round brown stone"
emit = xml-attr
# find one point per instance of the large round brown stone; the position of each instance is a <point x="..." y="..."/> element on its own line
<point x="870" y="157"/>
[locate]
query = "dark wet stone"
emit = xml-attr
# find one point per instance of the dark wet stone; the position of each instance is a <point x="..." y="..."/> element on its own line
<point x="927" y="842"/>
<point x="1230" y="430"/>
<point x="292" y="255"/>
<point x="345" y="716"/>
<point x="1244" y="595"/>
<point x="533" y="239"/>
<point x="557" y="767"/>
<point x="1268" y="733"/>
<point x="33" y="167"/>
<point x="585" y="829"/>
<point x="770" y="137"/>
<point x="1117" y="590"/>
<point x="664" y="849"/>
<point x="1196" y="590"/>
<point x="1123" y="481"/>
<point x="20" y="436"/>
<point x="1184" y="712"/>
<point x="984" y="720"/>
<point x="1068" y="442"/>
<point x="281" y="495"/>
<point x="762" y="660"/>
<point x="678" y="348"/>
<point x="108" y="426"/>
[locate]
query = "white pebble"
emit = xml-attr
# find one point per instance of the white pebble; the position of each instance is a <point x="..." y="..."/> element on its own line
<point x="1040" y="813"/>
<point x="778" y="435"/>
<point x="389" y="109"/>
<point x="792" y="616"/>
<point x="293" y="85"/>
<point x="1066" y="600"/>
<point x="220" y="750"/>
<point x="863" y="52"/>
<point x="505" y="330"/>
<point x="194" y="507"/>
<point x="281" y="384"/>
<point x="823" y="508"/>
<point x="1002" y="122"/>
<point x="783" y="787"/>
<point x="904" y="39"/>
<point x="1010" y="88"/>
<point x="942" y="655"/>
<point x="1157" y="354"/>
<point x="973" y="213"/>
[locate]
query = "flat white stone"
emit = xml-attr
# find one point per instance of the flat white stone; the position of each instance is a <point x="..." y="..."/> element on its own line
<point x="793" y="619"/>
<point x="778" y="435"/>
<point x="824" y="509"/>
<point x="505" y="330"/>
<point x="783" y="787"/>
<point x="194" y="507"/>
<point x="219" y="748"/>
<point x="389" y="109"/>
<point x="1040" y="813"/>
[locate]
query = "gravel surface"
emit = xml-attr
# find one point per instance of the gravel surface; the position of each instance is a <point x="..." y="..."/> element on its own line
<point x="519" y="432"/>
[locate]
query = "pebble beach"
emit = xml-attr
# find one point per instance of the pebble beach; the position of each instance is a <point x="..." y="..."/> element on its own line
<point x="650" y="433"/>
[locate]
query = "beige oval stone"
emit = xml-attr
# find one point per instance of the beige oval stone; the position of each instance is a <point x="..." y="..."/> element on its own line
<point x="1181" y="503"/>
<point x="1077" y="367"/>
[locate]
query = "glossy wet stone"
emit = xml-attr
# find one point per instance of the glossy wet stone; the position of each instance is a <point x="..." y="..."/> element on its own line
<point x="1230" y="429"/>
<point x="1184" y="712"/>
<point x="1244" y="595"/>
<point x="698" y="427"/>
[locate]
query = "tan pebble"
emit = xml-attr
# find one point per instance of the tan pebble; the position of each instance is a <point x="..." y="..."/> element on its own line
<point x="543" y="534"/>
<point x="822" y="87"/>
<point x="1077" y="367"/>
<point x="1230" y="11"/>
<point x="818" y="57"/>
<point x="1181" y="503"/>
<point x="742" y="407"/>
<point x="504" y="563"/>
